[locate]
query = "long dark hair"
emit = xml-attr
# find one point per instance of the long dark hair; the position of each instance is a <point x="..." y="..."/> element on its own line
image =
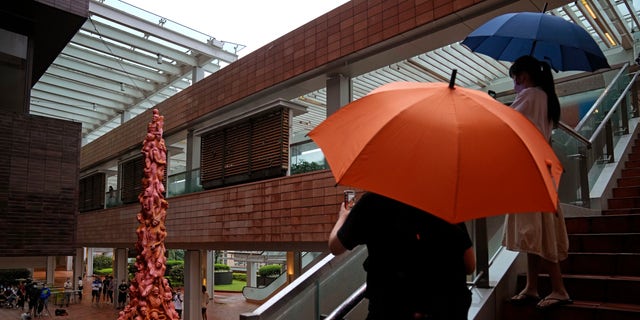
<point x="540" y="73"/>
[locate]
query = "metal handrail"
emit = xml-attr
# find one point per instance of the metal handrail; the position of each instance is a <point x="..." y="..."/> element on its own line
<point x="613" y="110"/>
<point x="351" y="302"/>
<point x="596" y="104"/>
<point x="575" y="134"/>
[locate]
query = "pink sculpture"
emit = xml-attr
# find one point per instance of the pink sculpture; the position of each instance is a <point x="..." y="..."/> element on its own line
<point x="150" y="293"/>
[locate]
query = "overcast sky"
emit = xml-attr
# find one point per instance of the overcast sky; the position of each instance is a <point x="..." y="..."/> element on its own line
<point x="252" y="23"/>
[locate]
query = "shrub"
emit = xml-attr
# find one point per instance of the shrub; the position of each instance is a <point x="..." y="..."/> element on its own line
<point x="240" y="276"/>
<point x="220" y="267"/>
<point x="270" y="270"/>
<point x="305" y="166"/>
<point x="101" y="262"/>
<point x="177" y="274"/>
<point x="103" y="271"/>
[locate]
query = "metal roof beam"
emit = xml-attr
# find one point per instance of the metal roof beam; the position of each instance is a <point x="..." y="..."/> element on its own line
<point x="160" y="32"/>
<point x="79" y="66"/>
<point x="125" y="39"/>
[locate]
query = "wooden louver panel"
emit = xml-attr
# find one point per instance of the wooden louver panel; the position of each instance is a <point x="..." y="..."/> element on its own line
<point x="249" y="150"/>
<point x="132" y="172"/>
<point x="92" y="193"/>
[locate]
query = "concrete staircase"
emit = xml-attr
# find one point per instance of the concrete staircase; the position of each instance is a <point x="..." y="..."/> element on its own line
<point x="602" y="273"/>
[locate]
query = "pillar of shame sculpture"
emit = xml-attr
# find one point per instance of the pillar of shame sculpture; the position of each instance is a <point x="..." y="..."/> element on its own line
<point x="150" y="294"/>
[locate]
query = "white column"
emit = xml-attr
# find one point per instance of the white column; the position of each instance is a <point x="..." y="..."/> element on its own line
<point x="51" y="269"/>
<point x="209" y="261"/>
<point x="192" y="285"/>
<point x="78" y="267"/>
<point x="69" y="263"/>
<point x="89" y="262"/>
<point x="338" y="92"/>
<point x="252" y="278"/>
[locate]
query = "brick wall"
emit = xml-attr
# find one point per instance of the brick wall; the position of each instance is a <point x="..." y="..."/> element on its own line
<point x="335" y="35"/>
<point x="39" y="189"/>
<point x="278" y="214"/>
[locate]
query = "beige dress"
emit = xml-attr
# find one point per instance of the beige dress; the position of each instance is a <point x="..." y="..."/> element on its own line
<point x="540" y="233"/>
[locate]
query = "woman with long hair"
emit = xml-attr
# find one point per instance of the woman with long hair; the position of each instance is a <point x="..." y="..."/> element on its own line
<point x="541" y="235"/>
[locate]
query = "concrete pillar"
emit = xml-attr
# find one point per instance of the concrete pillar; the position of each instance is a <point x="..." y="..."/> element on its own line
<point x="69" y="263"/>
<point x="252" y="277"/>
<point x="89" y="262"/>
<point x="120" y="266"/>
<point x="78" y="267"/>
<point x="338" y="92"/>
<point x="209" y="262"/>
<point x="294" y="265"/>
<point x="192" y="285"/>
<point x="51" y="270"/>
<point x="192" y="160"/>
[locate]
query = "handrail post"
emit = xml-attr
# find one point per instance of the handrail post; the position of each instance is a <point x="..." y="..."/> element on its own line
<point x="482" y="252"/>
<point x="624" y="109"/>
<point x="584" y="177"/>
<point x="634" y="99"/>
<point x="608" y="135"/>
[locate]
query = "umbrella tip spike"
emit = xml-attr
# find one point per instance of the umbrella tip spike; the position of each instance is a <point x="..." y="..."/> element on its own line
<point x="452" y="81"/>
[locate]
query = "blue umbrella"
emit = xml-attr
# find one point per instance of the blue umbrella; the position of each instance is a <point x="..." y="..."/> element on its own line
<point x="563" y="44"/>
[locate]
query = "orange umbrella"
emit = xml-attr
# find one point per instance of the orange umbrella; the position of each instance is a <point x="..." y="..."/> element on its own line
<point x="454" y="152"/>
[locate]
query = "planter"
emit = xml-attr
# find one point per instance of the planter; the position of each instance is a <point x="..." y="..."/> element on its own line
<point x="223" y="277"/>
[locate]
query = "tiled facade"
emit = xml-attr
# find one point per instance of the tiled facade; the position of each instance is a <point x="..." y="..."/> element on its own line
<point x="39" y="193"/>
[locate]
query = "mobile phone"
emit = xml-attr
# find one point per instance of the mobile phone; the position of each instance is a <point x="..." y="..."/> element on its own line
<point x="349" y="198"/>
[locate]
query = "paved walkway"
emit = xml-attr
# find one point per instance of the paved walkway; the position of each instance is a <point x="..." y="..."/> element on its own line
<point x="226" y="306"/>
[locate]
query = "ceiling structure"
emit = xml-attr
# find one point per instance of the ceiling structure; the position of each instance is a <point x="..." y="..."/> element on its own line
<point x="125" y="60"/>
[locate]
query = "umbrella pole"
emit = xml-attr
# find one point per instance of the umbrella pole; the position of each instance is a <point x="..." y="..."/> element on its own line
<point x="544" y="9"/>
<point x="452" y="81"/>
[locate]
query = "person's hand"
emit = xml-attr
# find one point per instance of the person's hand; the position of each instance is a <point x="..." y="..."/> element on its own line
<point x="344" y="211"/>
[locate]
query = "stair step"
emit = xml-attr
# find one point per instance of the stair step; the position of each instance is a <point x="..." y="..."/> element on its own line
<point x="632" y="164"/>
<point x="611" y="223"/>
<point x="630" y="172"/>
<point x="579" y="310"/>
<point x="629" y="182"/>
<point x="610" y="289"/>
<point x="603" y="264"/>
<point x="605" y="242"/>
<point x="622" y="192"/>
<point x="621" y="203"/>
<point x="623" y="211"/>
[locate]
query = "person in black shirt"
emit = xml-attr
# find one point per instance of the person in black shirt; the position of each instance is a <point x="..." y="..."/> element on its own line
<point x="436" y="256"/>
<point x="123" y="289"/>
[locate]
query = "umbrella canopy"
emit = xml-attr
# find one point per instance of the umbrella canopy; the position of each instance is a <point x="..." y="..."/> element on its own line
<point x="454" y="152"/>
<point x="563" y="44"/>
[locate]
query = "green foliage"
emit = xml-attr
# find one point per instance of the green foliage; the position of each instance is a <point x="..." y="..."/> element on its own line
<point x="9" y="276"/>
<point x="175" y="254"/>
<point x="240" y="276"/>
<point x="177" y="274"/>
<point x="221" y="267"/>
<point x="101" y="262"/>
<point x="305" y="166"/>
<point x="103" y="271"/>
<point x="270" y="270"/>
